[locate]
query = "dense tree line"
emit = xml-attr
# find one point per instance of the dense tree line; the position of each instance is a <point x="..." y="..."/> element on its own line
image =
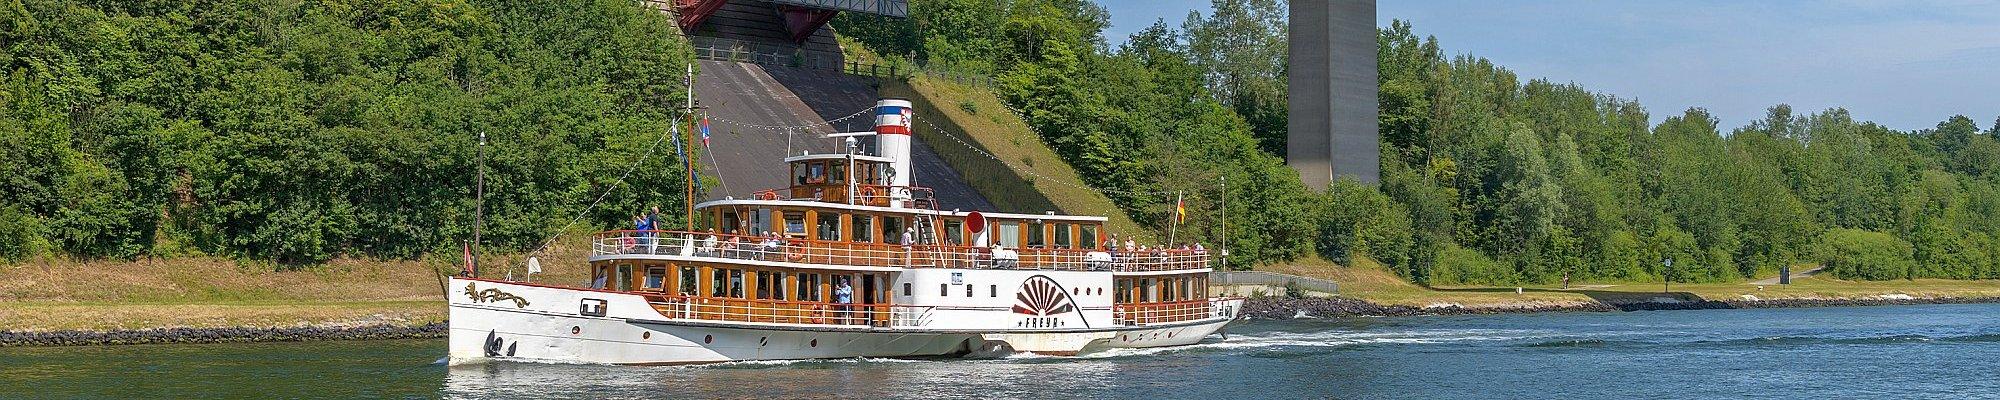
<point x="300" y="131"/>
<point x="1486" y="178"/>
<point x="1506" y="181"/>
<point x="1138" y="121"/>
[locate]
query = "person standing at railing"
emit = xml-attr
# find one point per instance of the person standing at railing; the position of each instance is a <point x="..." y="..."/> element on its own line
<point x="1200" y="256"/>
<point x="843" y="296"/>
<point x="650" y="232"/>
<point x="639" y="224"/>
<point x="909" y="234"/>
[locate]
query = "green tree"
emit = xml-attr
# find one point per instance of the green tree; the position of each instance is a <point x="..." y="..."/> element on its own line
<point x="1858" y="254"/>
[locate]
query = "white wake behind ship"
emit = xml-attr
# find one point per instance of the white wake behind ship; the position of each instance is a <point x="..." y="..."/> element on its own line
<point x="850" y="261"/>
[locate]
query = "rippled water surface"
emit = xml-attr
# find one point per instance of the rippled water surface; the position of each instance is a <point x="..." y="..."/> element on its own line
<point x="1944" y="351"/>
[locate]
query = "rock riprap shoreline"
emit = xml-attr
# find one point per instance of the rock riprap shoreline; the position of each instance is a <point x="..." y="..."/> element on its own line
<point x="1279" y="307"/>
<point x="221" y="335"/>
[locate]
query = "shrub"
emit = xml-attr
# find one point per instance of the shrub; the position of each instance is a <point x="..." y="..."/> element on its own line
<point x="1865" y="255"/>
<point x="1459" y="265"/>
<point x="18" y="231"/>
<point x="1356" y="219"/>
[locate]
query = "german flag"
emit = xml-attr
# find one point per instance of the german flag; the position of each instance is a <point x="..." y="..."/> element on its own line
<point x="1180" y="210"/>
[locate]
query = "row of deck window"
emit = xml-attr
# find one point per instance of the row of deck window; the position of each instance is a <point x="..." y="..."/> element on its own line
<point x="868" y="228"/>
<point x="1160" y="289"/>
<point x="743" y="283"/>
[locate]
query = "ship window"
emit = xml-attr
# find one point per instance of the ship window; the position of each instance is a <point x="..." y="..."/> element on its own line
<point x="795" y="223"/>
<point x="731" y="222"/>
<point x="808" y="287"/>
<point x="1036" y="238"/>
<point x="687" y="281"/>
<point x="1187" y="289"/>
<point x="892" y="230"/>
<point x="1062" y="236"/>
<point x="763" y="285"/>
<point x="863" y="223"/>
<point x="656" y="277"/>
<point x="624" y="278"/>
<point x="778" y="286"/>
<point x="1146" y="292"/>
<point x="718" y="283"/>
<point x="1010" y="234"/>
<point x="838" y="174"/>
<point x="993" y="290"/>
<point x="829" y="226"/>
<point x="799" y="173"/>
<point x="760" y="221"/>
<point x="944" y="289"/>
<point x="1088" y="237"/>
<point x="968" y="291"/>
<point x="954" y="231"/>
<point x="816" y="172"/>
<point x="1121" y="290"/>
<point x="736" y="283"/>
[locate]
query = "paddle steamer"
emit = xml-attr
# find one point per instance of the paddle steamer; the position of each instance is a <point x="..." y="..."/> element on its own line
<point x="771" y="279"/>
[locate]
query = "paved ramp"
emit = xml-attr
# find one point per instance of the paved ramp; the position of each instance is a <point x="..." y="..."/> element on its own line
<point x="742" y="96"/>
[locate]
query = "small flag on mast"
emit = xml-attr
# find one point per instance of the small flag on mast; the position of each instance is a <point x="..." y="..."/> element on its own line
<point x="1180" y="210"/>
<point x="704" y="130"/>
<point x="470" y="268"/>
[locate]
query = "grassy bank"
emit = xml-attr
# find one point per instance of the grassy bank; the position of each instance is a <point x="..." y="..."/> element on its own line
<point x="211" y="293"/>
<point x="1370" y="282"/>
<point x="200" y="292"/>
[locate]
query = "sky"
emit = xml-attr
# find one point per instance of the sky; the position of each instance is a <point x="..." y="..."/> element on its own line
<point x="1905" y="64"/>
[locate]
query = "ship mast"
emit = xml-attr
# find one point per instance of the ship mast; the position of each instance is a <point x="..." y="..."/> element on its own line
<point x="688" y="201"/>
<point x="479" y="206"/>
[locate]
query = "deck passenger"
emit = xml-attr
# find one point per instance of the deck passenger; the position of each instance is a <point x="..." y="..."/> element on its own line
<point x="651" y="232"/>
<point x="768" y="247"/>
<point x="909" y="234"/>
<point x="708" y="244"/>
<point x="843" y="297"/>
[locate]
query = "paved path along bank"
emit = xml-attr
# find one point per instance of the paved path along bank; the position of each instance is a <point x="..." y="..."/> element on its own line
<point x="1278" y="307"/>
<point x="221" y="335"/>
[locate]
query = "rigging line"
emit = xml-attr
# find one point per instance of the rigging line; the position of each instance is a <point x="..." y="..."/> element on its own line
<point x="775" y="128"/>
<point x="613" y="186"/>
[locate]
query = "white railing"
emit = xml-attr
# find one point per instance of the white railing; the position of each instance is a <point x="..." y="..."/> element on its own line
<point x="792" y="312"/>
<point x="786" y="249"/>
<point x="1140" y="314"/>
<point x="909" y="316"/>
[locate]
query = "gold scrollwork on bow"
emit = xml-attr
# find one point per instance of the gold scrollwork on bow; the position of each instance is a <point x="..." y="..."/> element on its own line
<point x="493" y="296"/>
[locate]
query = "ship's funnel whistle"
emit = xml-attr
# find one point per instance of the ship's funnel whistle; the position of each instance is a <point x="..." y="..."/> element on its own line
<point x="892" y="140"/>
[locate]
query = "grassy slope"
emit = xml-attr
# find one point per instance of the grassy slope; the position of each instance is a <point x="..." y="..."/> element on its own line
<point x="1367" y="280"/>
<point x="992" y="129"/>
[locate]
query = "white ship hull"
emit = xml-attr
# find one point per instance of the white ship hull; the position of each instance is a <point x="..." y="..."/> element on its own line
<point x="507" y="321"/>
